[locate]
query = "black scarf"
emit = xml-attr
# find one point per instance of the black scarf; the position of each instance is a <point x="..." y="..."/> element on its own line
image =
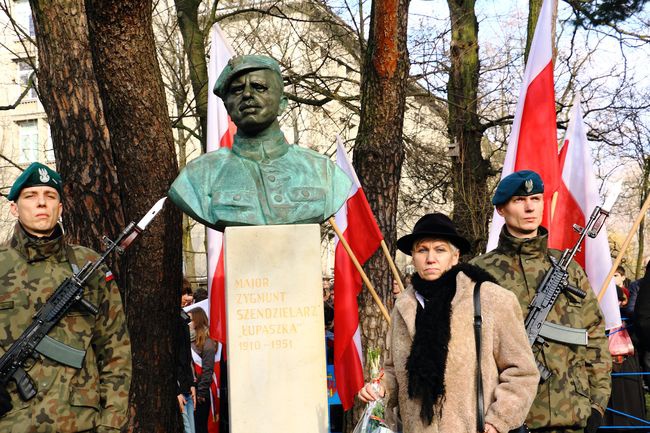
<point x="428" y="358"/>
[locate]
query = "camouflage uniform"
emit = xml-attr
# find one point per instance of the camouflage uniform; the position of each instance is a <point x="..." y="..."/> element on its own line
<point x="580" y="374"/>
<point x="93" y="398"/>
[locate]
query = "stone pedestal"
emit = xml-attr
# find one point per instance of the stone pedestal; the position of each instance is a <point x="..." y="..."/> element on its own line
<point x="276" y="339"/>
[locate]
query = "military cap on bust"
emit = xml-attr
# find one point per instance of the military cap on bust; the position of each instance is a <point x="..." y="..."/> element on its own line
<point x="240" y="64"/>
<point x="36" y="174"/>
<point x="524" y="182"/>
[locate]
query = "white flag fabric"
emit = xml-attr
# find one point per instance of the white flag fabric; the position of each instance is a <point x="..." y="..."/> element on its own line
<point x="577" y="198"/>
<point x="532" y="144"/>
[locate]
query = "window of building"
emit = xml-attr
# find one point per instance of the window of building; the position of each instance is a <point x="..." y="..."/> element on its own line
<point x="24" y="72"/>
<point x="23" y="16"/>
<point x="28" y="141"/>
<point x="49" y="147"/>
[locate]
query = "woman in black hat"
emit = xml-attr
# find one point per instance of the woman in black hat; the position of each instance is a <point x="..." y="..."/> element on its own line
<point x="430" y="370"/>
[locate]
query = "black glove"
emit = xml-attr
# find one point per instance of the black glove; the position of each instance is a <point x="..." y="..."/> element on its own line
<point x="594" y="421"/>
<point x="5" y="401"/>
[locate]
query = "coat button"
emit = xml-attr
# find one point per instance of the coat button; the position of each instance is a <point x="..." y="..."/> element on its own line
<point x="278" y="198"/>
<point x="236" y="197"/>
<point x="305" y="193"/>
<point x="271" y="178"/>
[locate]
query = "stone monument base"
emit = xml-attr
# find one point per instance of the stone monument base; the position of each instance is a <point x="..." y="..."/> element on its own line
<point x="276" y="338"/>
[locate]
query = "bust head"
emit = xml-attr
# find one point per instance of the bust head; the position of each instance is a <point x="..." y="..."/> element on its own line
<point x="252" y="90"/>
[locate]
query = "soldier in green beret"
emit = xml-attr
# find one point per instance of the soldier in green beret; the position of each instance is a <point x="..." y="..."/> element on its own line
<point x="574" y="397"/>
<point x="263" y="179"/>
<point x="89" y="392"/>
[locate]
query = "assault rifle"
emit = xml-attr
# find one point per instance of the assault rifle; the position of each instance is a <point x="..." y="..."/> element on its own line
<point x="70" y="292"/>
<point x="554" y="282"/>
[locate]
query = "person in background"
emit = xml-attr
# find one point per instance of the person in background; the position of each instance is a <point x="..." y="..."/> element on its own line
<point x="621" y="287"/>
<point x="200" y="294"/>
<point x="206" y="348"/>
<point x="187" y="297"/>
<point x="642" y="321"/>
<point x="185" y="373"/>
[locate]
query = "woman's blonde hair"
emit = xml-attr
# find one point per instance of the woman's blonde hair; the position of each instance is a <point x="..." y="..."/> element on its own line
<point x="201" y="326"/>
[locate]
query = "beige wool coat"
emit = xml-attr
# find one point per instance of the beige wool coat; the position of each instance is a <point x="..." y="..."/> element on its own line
<point x="510" y="376"/>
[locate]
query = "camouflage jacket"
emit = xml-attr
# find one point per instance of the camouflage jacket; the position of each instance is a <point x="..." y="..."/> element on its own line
<point x="580" y="374"/>
<point x="93" y="398"/>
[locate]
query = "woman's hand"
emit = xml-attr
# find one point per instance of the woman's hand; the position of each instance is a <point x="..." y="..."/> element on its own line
<point x="181" y="402"/>
<point x="371" y="392"/>
<point x="489" y="428"/>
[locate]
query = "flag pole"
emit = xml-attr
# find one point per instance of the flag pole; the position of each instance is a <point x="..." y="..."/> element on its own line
<point x="626" y="244"/>
<point x="392" y="266"/>
<point x="364" y="277"/>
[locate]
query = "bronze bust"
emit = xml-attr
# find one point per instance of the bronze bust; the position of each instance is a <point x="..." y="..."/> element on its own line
<point x="263" y="180"/>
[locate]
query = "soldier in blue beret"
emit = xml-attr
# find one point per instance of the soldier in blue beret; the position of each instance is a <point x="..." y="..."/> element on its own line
<point x="523" y="183"/>
<point x="573" y="399"/>
<point x="262" y="180"/>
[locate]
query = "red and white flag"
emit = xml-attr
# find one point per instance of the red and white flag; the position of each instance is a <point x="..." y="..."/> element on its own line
<point x="215" y="396"/>
<point x="532" y="144"/>
<point x="357" y="224"/>
<point x="220" y="134"/>
<point x="577" y="197"/>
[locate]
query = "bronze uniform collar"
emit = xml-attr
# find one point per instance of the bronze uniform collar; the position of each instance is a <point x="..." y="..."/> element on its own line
<point x="272" y="146"/>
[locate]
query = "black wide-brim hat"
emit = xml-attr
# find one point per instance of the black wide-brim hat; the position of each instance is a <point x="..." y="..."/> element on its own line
<point x="437" y="226"/>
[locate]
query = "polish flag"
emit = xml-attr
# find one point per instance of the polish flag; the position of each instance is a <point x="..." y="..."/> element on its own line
<point x="220" y="134"/>
<point x="577" y="197"/>
<point x="532" y="144"/>
<point x="213" y="418"/>
<point x="357" y="224"/>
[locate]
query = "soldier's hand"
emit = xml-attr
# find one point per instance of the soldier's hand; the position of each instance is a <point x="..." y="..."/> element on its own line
<point x="594" y="421"/>
<point x="5" y="401"/>
<point x="181" y="402"/>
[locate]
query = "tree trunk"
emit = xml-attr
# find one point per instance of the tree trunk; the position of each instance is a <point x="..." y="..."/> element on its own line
<point x="379" y="149"/>
<point x="68" y="90"/>
<point x="194" y="47"/>
<point x="472" y="208"/>
<point x="534" y="8"/>
<point x="645" y="187"/>
<point x="130" y="83"/>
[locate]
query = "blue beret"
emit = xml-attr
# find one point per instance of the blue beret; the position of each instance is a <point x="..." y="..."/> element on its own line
<point x="36" y="174"/>
<point x="524" y="182"/>
<point x="240" y="64"/>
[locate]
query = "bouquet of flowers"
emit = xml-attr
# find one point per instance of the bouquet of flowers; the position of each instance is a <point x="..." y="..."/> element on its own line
<point x="372" y="420"/>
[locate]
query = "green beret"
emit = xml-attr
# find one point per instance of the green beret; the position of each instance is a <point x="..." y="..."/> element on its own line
<point x="524" y="182"/>
<point x="239" y="64"/>
<point x="36" y="174"/>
